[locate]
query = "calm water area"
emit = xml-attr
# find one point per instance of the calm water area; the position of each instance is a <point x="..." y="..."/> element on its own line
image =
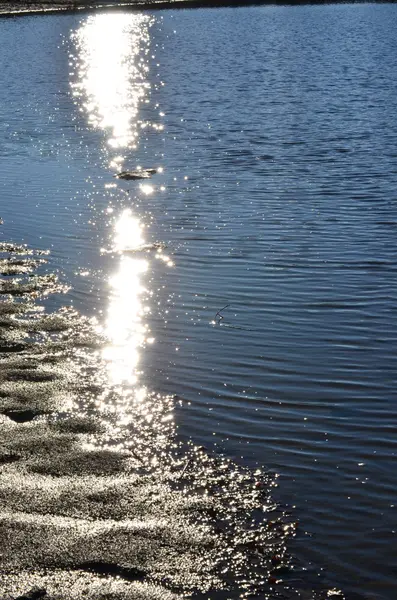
<point x="274" y="130"/>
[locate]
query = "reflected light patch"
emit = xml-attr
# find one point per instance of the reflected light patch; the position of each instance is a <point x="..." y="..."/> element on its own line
<point x="112" y="75"/>
<point x="146" y="189"/>
<point x="125" y="325"/>
<point x="128" y="232"/>
<point x="110" y="82"/>
<point x="166" y="259"/>
<point x="116" y="162"/>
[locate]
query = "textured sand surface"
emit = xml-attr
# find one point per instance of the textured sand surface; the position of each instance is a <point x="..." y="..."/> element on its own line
<point x="89" y="509"/>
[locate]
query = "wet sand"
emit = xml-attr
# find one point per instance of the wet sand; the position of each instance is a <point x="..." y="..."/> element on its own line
<point x="90" y="509"/>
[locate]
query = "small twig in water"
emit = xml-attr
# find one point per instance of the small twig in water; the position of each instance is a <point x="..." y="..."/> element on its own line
<point x="219" y="318"/>
<point x="219" y="315"/>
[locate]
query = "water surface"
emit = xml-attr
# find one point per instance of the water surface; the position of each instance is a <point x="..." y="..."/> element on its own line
<point x="276" y="130"/>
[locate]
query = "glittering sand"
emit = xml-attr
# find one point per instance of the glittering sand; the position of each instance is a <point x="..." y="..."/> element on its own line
<point x="90" y="509"/>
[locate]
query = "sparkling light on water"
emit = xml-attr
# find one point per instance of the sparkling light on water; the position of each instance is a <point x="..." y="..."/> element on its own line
<point x="112" y="69"/>
<point x="110" y="81"/>
<point x="125" y="325"/>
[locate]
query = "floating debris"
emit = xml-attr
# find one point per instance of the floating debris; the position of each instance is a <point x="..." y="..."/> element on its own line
<point x="220" y="320"/>
<point x="136" y="249"/>
<point x="138" y="174"/>
<point x="146" y="247"/>
<point x="219" y="316"/>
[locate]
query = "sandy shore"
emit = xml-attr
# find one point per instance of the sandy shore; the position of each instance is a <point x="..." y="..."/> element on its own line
<point x="93" y="509"/>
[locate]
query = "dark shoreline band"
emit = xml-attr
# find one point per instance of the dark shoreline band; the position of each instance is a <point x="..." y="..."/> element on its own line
<point x="13" y="9"/>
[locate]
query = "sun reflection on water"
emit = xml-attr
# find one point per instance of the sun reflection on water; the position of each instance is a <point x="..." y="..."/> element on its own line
<point x="110" y="81"/>
<point x="112" y="68"/>
<point x="125" y="325"/>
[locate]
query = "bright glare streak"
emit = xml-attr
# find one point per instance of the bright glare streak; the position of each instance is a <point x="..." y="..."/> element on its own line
<point x="125" y="325"/>
<point x="112" y="74"/>
<point x="110" y="84"/>
<point x="128" y="233"/>
<point x="146" y="189"/>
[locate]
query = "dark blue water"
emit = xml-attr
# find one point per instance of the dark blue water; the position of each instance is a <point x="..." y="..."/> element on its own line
<point x="276" y="128"/>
